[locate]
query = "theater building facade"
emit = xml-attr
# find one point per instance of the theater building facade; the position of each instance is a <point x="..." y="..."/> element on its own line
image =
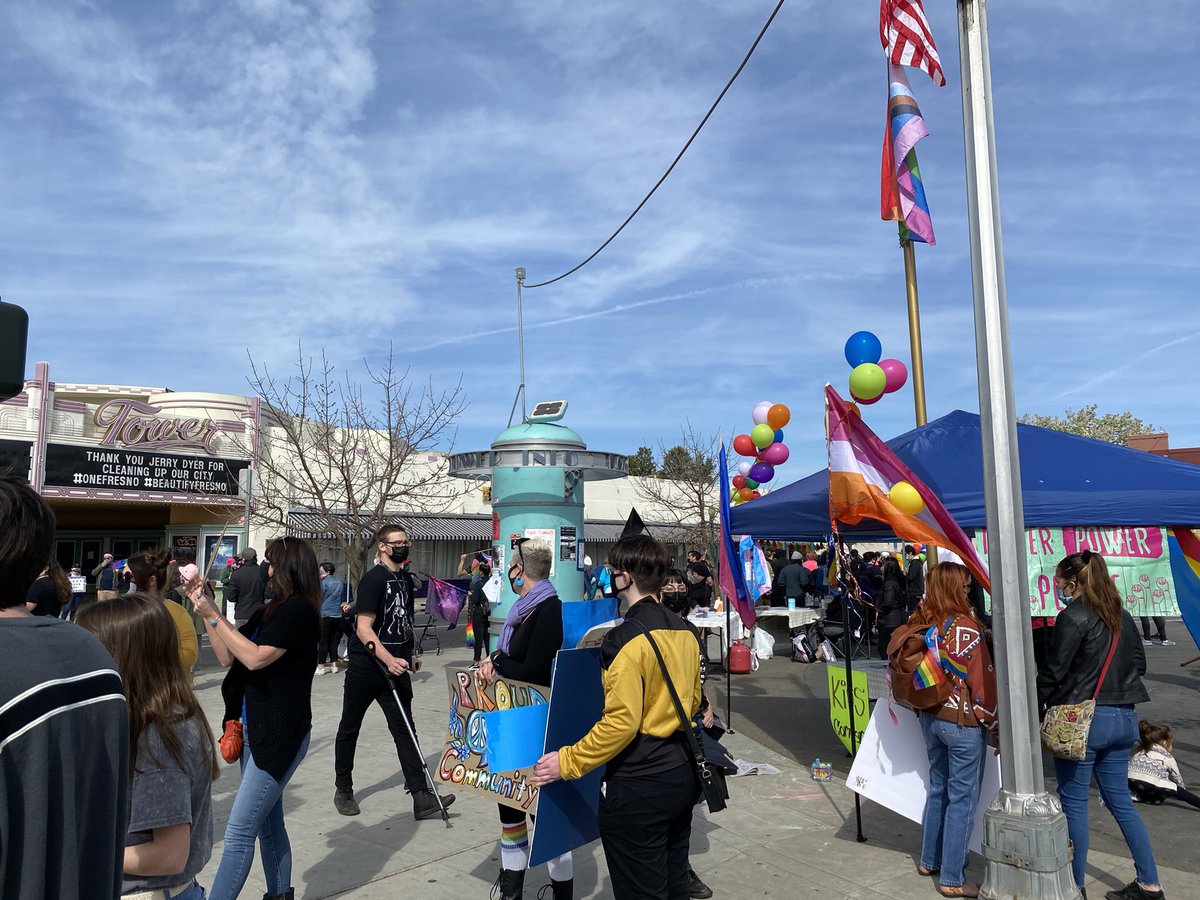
<point x="129" y="468"/>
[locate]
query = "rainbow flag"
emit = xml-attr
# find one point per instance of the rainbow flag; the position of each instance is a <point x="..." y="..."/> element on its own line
<point x="902" y="192"/>
<point x="929" y="672"/>
<point x="863" y="469"/>
<point x="1184" y="549"/>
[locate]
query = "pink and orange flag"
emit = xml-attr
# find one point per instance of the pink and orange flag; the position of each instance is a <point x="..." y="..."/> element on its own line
<point x="862" y="471"/>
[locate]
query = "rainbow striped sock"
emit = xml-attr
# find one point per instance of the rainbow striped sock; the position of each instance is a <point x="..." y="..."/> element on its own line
<point x="514" y="846"/>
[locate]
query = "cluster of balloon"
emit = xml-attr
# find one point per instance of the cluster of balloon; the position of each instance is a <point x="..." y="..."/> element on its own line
<point x="870" y="376"/>
<point x="764" y="445"/>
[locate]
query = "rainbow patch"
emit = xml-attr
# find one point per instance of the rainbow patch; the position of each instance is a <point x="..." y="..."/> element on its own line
<point x="929" y="672"/>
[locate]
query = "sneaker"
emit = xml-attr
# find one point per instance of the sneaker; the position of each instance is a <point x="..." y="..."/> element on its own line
<point x="1134" y="891"/>
<point x="320" y="670"/>
<point x="1147" y="642"/>
<point x="425" y="803"/>
<point x="1165" y="643"/>
<point x="696" y="887"/>
<point x="344" y="802"/>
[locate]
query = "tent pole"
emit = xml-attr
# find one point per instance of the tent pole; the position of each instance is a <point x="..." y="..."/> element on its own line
<point x="728" y="639"/>
<point x="849" y="643"/>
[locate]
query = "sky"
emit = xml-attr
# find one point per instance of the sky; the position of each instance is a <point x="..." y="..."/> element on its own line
<point x="186" y="185"/>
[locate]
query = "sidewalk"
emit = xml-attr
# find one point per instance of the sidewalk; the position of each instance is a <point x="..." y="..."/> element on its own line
<point x="782" y="835"/>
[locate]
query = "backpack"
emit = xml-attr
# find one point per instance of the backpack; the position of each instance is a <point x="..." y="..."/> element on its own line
<point x="906" y="651"/>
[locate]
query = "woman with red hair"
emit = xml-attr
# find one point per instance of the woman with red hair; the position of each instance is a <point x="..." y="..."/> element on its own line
<point x="955" y="733"/>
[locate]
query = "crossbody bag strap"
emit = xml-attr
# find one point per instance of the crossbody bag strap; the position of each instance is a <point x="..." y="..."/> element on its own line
<point x="1107" y="661"/>
<point x="693" y="744"/>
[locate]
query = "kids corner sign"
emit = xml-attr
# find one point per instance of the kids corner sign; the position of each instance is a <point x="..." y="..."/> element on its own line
<point x="1138" y="560"/>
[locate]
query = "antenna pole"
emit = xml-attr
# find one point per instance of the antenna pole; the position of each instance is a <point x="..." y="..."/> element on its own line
<point x="520" y="347"/>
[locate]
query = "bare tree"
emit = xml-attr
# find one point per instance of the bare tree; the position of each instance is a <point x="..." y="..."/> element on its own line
<point x="350" y="457"/>
<point x="685" y="491"/>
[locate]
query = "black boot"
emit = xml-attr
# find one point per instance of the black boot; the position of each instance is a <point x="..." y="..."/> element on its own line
<point x="562" y="890"/>
<point x="509" y="885"/>
<point x="289" y="894"/>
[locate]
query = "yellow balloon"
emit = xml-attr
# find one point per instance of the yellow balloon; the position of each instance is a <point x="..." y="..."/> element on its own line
<point x="906" y="498"/>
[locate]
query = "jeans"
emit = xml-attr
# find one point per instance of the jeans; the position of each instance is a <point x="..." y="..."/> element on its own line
<point x="645" y="826"/>
<point x="1110" y="744"/>
<point x="363" y="686"/>
<point x="257" y="813"/>
<point x="192" y="892"/>
<point x="956" y="754"/>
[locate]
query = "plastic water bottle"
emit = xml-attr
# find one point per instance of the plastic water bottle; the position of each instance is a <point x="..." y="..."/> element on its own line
<point x="821" y="771"/>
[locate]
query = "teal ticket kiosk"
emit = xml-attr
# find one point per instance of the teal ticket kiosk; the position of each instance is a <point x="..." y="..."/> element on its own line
<point x="538" y="470"/>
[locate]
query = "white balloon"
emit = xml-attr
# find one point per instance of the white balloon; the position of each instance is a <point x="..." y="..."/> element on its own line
<point x="760" y="412"/>
<point x="744" y="468"/>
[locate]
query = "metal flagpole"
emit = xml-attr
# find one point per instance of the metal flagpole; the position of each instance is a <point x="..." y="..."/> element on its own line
<point x="914" y="329"/>
<point x="1025" y="837"/>
<point x="914" y="342"/>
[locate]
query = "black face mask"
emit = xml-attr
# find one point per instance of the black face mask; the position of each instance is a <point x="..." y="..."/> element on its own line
<point x="676" y="601"/>
<point x="399" y="555"/>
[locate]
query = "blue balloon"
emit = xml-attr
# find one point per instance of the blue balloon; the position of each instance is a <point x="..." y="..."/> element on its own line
<point x="779" y="435"/>
<point x="863" y="347"/>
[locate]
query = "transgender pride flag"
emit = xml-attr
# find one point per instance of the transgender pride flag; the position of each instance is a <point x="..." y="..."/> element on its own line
<point x="863" y="469"/>
<point x="901" y="191"/>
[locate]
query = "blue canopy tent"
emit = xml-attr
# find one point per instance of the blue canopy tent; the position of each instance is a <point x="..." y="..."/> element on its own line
<point x="1065" y="480"/>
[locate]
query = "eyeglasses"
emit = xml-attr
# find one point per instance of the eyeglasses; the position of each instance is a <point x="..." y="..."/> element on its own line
<point x="395" y="543"/>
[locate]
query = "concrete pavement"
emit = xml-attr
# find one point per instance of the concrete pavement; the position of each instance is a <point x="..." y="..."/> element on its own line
<point x="782" y="836"/>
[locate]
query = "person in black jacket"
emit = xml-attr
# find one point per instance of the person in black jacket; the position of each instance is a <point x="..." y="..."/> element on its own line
<point x="1092" y="628"/>
<point x="892" y="603"/>
<point x="244" y="592"/>
<point x="793" y="583"/>
<point x="529" y="642"/>
<point x="914" y="576"/>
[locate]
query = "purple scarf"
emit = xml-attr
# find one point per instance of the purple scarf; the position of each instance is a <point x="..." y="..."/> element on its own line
<point x="522" y="608"/>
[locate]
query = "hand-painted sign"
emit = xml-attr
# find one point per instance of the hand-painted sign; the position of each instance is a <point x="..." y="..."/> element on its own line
<point x="1138" y="560"/>
<point x="839" y="705"/>
<point x="464" y="761"/>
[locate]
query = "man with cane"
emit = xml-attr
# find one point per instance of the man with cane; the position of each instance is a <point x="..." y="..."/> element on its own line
<point x="383" y="641"/>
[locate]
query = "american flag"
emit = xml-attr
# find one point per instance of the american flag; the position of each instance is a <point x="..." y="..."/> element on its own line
<point x="906" y="37"/>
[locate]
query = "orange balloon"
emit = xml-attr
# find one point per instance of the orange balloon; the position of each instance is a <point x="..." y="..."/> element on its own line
<point x="754" y="495"/>
<point x="745" y="493"/>
<point x="853" y="407"/>
<point x="778" y="416"/>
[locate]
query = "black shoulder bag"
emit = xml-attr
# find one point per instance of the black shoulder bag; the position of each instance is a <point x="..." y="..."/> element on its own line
<point x="714" y="795"/>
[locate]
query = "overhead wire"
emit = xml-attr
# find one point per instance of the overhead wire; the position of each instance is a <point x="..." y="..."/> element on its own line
<point x="675" y="161"/>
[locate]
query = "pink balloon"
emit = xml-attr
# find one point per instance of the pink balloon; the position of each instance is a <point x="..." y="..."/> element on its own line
<point x="776" y="454"/>
<point x="858" y="399"/>
<point x="895" y="372"/>
<point x="744" y="468"/>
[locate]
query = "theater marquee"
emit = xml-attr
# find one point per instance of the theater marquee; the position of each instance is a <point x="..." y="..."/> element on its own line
<point x="127" y="470"/>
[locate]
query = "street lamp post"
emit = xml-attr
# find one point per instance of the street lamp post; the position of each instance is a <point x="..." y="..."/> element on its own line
<point x="1025" y="836"/>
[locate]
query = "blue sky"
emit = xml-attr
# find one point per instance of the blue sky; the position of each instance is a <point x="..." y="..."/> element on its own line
<point x="182" y="181"/>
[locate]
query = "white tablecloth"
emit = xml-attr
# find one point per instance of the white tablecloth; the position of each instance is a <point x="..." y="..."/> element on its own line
<point x="716" y="622"/>
<point x="796" y="618"/>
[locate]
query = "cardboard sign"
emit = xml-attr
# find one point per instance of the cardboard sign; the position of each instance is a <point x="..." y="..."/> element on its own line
<point x="892" y="769"/>
<point x="78" y="584"/>
<point x="464" y="762"/>
<point x="839" y="709"/>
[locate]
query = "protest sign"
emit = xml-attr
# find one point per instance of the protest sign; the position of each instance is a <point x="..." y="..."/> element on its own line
<point x="839" y="709"/>
<point x="1138" y="559"/>
<point x="464" y="762"/>
<point x="892" y="769"/>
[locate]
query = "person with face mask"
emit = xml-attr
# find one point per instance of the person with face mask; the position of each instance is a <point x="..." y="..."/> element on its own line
<point x="650" y="783"/>
<point x="383" y="617"/>
<point x="530" y="640"/>
<point x="675" y="597"/>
